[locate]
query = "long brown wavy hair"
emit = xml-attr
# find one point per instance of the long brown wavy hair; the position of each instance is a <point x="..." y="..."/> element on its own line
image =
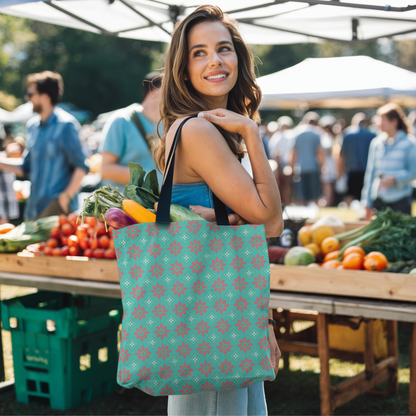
<point x="180" y="99"/>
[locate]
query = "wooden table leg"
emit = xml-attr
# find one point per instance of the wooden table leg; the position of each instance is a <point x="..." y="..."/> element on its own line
<point x="286" y="325"/>
<point x="2" y="374"/>
<point x="393" y="351"/>
<point x="369" y="349"/>
<point x="412" y="386"/>
<point x="324" y="378"/>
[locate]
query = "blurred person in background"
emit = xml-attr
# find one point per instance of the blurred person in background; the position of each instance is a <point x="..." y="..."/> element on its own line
<point x="391" y="166"/>
<point x="329" y="169"/>
<point x="9" y="207"/>
<point x="265" y="138"/>
<point x="412" y="122"/>
<point x="307" y="159"/>
<point x="53" y="158"/>
<point x="354" y="154"/>
<point x="280" y="148"/>
<point x="129" y="136"/>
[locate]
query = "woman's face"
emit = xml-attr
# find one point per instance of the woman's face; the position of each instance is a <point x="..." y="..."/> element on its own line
<point x="388" y="126"/>
<point x="212" y="65"/>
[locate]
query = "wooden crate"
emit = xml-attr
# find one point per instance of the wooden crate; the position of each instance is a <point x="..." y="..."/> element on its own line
<point x="69" y="267"/>
<point x="356" y="283"/>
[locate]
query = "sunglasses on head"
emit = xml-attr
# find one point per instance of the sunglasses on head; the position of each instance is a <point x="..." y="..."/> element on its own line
<point x="29" y="94"/>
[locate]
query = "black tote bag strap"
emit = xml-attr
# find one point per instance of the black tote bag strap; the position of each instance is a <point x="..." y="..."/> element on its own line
<point x="165" y="198"/>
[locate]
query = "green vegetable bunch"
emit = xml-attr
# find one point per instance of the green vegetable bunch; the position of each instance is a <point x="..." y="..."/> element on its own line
<point x="29" y="232"/>
<point x="391" y="233"/>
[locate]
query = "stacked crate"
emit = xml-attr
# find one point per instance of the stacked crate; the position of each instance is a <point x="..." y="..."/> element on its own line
<point x="64" y="347"/>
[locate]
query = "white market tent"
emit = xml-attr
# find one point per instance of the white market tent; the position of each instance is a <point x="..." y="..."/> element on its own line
<point x="345" y="82"/>
<point x="268" y="22"/>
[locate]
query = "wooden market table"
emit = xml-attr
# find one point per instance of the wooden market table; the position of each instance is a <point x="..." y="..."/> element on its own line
<point x="297" y="290"/>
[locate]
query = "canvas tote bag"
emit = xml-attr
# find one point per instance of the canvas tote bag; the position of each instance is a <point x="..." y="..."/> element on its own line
<point x="195" y="298"/>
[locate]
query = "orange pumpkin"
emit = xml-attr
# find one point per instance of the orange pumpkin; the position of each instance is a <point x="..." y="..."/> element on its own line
<point x="353" y="249"/>
<point x="331" y="256"/>
<point x="353" y="261"/>
<point x="331" y="264"/>
<point x="375" y="261"/>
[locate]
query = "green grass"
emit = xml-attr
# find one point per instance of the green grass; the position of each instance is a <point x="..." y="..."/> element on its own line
<point x="294" y="392"/>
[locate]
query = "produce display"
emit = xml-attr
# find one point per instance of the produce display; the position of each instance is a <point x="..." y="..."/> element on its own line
<point x="14" y="239"/>
<point x="388" y="244"/>
<point x="70" y="238"/>
<point x="137" y="205"/>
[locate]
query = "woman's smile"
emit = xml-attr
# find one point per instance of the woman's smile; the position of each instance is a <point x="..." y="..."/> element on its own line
<point x="217" y="76"/>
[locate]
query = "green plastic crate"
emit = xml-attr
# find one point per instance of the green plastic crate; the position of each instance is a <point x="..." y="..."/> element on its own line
<point x="61" y="314"/>
<point x="72" y="364"/>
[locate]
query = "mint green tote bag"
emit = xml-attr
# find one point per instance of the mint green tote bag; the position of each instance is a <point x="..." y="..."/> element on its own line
<point x="195" y="299"/>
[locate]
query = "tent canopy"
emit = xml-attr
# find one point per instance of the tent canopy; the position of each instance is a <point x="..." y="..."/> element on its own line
<point x="268" y="22"/>
<point x="346" y="82"/>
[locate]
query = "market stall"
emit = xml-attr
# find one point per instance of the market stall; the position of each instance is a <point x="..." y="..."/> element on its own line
<point x="290" y="291"/>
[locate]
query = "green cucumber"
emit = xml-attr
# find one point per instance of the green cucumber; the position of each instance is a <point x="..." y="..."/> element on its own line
<point x="180" y="213"/>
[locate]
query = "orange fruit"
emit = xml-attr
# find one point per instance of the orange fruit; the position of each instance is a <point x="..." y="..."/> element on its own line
<point x="353" y="249"/>
<point x="341" y="267"/>
<point x="375" y="261"/>
<point x="329" y="244"/>
<point x="331" y="264"/>
<point x="331" y="256"/>
<point x="353" y="261"/>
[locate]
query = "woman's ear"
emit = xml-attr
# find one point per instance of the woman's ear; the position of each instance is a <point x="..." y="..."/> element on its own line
<point x="185" y="77"/>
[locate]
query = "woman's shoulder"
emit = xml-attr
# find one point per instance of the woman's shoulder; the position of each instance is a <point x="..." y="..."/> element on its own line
<point x="195" y="129"/>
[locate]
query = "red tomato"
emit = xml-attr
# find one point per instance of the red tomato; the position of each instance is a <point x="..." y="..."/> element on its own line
<point x="83" y="243"/>
<point x="48" y="251"/>
<point x="62" y="220"/>
<point x="92" y="221"/>
<point x="72" y="219"/>
<point x="67" y="229"/>
<point x="52" y="242"/>
<point x="100" y="228"/>
<point x="64" y="240"/>
<point x="93" y="243"/>
<point x="92" y="232"/>
<point x="55" y="232"/>
<point x="74" y="251"/>
<point x="110" y="253"/>
<point x="42" y="245"/>
<point x="111" y="244"/>
<point x="88" y="252"/>
<point x="98" y="253"/>
<point x="56" y="251"/>
<point x="73" y="241"/>
<point x="104" y="241"/>
<point x="65" y="251"/>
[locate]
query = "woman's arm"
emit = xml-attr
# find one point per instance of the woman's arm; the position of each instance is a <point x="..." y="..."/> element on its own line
<point x="207" y="154"/>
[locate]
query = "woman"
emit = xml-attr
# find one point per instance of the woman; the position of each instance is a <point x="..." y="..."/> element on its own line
<point x="391" y="166"/>
<point x="209" y="72"/>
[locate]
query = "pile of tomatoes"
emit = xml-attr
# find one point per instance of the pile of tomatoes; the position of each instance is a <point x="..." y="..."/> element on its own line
<point x="354" y="258"/>
<point x="70" y="238"/>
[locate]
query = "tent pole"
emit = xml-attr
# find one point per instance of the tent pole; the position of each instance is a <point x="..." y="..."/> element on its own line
<point x="145" y="17"/>
<point x="103" y="31"/>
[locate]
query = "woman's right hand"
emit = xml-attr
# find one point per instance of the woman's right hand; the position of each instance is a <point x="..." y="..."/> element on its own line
<point x="208" y="214"/>
<point x="230" y="121"/>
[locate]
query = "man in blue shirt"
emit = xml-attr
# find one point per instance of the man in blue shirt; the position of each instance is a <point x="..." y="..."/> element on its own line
<point x="53" y="157"/>
<point x="129" y="134"/>
<point x="307" y="159"/>
<point x="354" y="155"/>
